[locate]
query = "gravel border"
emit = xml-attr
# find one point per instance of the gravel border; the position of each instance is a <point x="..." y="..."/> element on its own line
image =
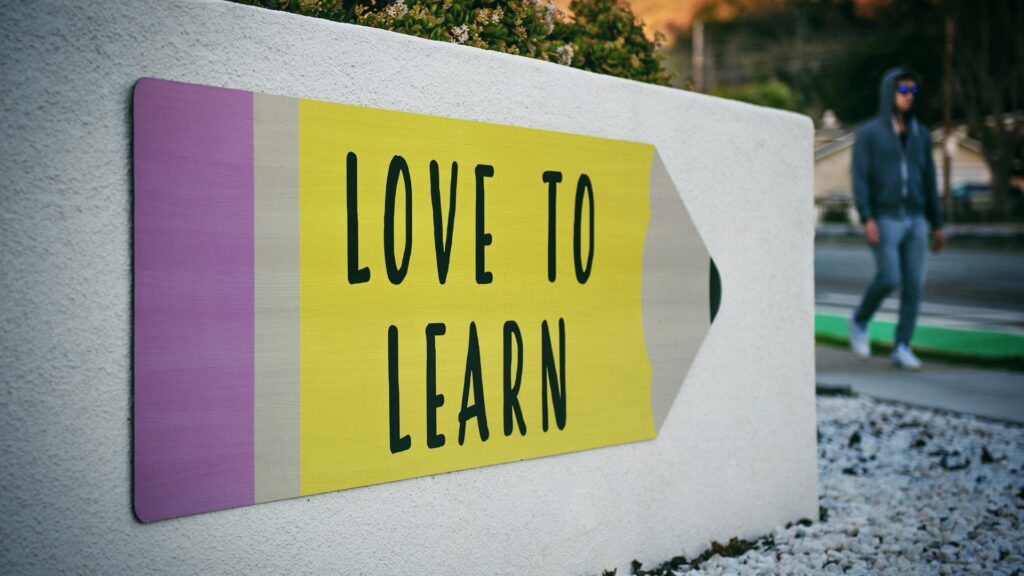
<point x="904" y="490"/>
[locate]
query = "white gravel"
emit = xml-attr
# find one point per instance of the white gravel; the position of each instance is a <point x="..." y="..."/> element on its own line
<point x="903" y="491"/>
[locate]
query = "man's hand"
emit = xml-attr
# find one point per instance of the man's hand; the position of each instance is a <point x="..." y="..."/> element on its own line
<point x="938" y="240"/>
<point x="871" y="232"/>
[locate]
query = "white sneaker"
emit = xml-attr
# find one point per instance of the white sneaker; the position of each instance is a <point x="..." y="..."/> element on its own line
<point x="859" y="341"/>
<point x="902" y="357"/>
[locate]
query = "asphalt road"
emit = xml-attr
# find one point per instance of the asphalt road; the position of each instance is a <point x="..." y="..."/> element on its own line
<point x="984" y="288"/>
<point x="991" y="393"/>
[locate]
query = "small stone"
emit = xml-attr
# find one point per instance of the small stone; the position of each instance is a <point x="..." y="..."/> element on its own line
<point x="854" y="440"/>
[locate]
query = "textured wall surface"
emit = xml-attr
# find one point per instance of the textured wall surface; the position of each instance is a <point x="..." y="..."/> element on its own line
<point x="736" y="455"/>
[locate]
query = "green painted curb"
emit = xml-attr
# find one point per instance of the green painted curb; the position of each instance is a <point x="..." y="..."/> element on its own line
<point x="968" y="343"/>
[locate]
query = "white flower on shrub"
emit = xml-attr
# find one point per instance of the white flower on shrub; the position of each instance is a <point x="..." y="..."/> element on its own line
<point x="551" y="14"/>
<point x="397" y="9"/>
<point x="459" y="34"/>
<point x="564" y="54"/>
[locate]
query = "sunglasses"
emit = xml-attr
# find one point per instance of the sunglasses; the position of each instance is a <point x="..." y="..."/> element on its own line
<point x="904" y="89"/>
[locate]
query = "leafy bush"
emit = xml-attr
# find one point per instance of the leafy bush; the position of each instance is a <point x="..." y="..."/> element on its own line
<point x="603" y="35"/>
<point x="607" y="39"/>
<point x="772" y="93"/>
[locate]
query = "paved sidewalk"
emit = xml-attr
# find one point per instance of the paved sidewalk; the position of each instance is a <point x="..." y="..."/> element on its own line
<point x="997" y="394"/>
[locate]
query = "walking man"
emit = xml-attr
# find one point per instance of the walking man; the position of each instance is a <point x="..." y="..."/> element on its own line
<point x="895" y="193"/>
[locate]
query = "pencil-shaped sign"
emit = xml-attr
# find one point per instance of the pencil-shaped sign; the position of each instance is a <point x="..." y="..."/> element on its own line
<point x="330" y="296"/>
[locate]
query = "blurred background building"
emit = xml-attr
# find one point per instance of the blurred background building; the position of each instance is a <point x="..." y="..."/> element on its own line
<point x="970" y="176"/>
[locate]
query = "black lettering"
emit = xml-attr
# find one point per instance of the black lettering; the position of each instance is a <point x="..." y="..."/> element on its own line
<point x="398" y="167"/>
<point x="398" y="442"/>
<point x="442" y="242"/>
<point x="556" y="379"/>
<point x="482" y="237"/>
<point x="356" y="275"/>
<point x="552" y="178"/>
<point x="583" y="274"/>
<point x="511" y="391"/>
<point x="474" y="373"/>
<point x="434" y="400"/>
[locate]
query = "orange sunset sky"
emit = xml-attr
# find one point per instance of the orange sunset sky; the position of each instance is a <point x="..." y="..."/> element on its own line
<point x="667" y="15"/>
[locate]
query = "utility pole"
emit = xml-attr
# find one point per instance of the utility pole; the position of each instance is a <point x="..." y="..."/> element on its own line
<point x="698" y="55"/>
<point x="947" y="121"/>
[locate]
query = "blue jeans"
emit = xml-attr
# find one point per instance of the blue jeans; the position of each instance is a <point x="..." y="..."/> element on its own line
<point x="899" y="261"/>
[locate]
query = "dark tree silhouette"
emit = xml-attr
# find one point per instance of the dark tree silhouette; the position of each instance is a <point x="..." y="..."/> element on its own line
<point x="988" y="50"/>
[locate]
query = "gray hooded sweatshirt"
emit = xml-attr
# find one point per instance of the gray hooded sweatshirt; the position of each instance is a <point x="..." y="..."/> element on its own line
<point x="890" y="178"/>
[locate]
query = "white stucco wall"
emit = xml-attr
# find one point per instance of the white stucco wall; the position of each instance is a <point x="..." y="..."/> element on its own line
<point x="735" y="457"/>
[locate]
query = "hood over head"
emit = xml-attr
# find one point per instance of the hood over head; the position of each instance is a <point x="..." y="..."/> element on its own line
<point x="886" y="89"/>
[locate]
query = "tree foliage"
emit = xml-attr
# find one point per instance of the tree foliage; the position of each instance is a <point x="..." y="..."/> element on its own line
<point x="989" y="78"/>
<point x="602" y="35"/>
<point x="607" y="39"/>
<point x="772" y="93"/>
<point x="830" y="53"/>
